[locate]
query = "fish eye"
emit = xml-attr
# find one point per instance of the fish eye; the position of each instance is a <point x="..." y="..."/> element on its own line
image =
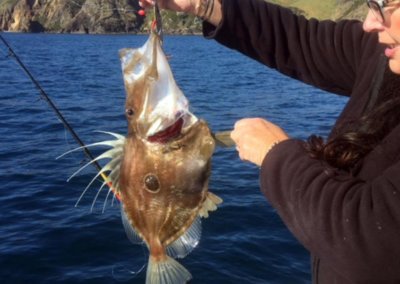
<point x="129" y="112"/>
<point x="151" y="182"/>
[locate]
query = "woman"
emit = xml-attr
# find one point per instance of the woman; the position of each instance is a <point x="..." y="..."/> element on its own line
<point x="340" y="198"/>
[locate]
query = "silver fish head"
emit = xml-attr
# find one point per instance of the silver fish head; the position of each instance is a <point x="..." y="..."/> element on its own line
<point x="156" y="108"/>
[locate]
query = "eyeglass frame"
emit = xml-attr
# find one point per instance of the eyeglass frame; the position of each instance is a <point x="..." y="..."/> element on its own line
<point x="380" y="4"/>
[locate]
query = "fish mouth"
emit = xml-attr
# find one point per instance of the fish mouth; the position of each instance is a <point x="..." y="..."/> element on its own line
<point x="160" y="109"/>
<point x="168" y="133"/>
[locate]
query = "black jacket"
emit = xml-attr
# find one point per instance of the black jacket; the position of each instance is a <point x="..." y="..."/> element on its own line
<point x="349" y="223"/>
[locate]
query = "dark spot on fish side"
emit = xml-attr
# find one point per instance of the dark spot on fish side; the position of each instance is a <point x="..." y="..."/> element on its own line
<point x="151" y="182"/>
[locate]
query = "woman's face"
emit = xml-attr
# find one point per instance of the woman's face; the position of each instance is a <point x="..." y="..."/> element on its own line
<point x="388" y="33"/>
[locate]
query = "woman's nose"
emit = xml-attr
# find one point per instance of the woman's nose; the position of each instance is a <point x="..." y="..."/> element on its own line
<point x="372" y="24"/>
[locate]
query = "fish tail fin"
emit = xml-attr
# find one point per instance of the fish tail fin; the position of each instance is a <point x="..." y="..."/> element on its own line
<point x="167" y="271"/>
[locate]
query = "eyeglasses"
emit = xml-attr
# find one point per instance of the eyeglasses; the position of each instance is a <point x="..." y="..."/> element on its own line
<point x="377" y="6"/>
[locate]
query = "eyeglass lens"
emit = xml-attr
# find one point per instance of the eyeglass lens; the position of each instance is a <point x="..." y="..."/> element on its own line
<point x="376" y="10"/>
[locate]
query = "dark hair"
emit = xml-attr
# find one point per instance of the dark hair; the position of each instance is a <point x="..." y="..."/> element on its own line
<point x="347" y="148"/>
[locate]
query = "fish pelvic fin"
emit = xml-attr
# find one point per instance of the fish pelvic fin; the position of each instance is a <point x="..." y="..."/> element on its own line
<point x="131" y="233"/>
<point x="184" y="245"/>
<point x="209" y="204"/>
<point x="167" y="271"/>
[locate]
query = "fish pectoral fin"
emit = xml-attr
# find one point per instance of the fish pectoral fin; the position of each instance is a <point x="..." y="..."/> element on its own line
<point x="132" y="235"/>
<point x="184" y="245"/>
<point x="209" y="204"/>
<point x="166" y="272"/>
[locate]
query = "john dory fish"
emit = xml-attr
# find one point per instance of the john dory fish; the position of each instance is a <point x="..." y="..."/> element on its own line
<point x="160" y="171"/>
<point x="166" y="163"/>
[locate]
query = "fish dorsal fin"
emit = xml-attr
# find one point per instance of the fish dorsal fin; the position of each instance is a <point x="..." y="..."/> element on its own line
<point x="187" y="242"/>
<point x="209" y="204"/>
<point x="129" y="230"/>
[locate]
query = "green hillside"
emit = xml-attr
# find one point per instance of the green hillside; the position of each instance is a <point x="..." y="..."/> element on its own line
<point x="116" y="16"/>
<point x="327" y="9"/>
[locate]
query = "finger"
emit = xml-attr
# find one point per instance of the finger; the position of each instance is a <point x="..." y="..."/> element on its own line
<point x="241" y="122"/>
<point x="238" y="129"/>
<point x="234" y="136"/>
<point x="146" y="3"/>
<point x="242" y="156"/>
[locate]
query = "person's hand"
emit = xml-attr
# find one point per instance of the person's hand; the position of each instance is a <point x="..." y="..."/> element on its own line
<point x="207" y="10"/>
<point x="254" y="137"/>
<point x="187" y="6"/>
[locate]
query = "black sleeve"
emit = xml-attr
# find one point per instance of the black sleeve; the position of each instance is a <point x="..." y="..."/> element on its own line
<point x="325" y="54"/>
<point x="351" y="224"/>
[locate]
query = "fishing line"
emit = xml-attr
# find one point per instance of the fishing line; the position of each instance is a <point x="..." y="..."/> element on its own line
<point x="122" y="273"/>
<point x="44" y="96"/>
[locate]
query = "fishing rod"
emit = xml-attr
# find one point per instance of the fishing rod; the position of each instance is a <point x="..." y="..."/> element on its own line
<point x="44" y="95"/>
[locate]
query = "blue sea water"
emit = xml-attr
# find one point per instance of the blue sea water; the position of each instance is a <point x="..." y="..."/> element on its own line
<point x="44" y="238"/>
